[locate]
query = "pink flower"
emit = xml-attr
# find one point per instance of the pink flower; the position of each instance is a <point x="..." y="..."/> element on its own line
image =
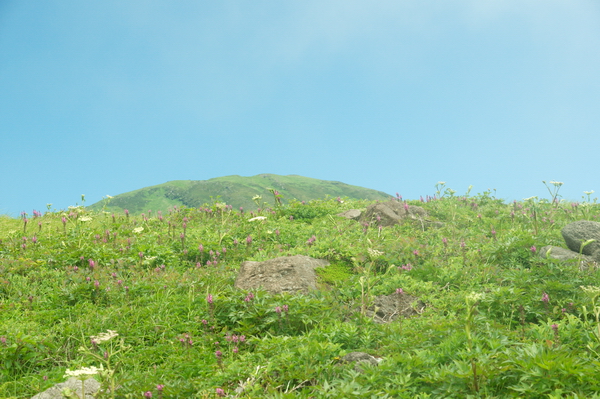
<point x="545" y="298"/>
<point x="399" y="291"/>
<point x="533" y="249"/>
<point x="147" y="394"/>
<point x="209" y="299"/>
<point x="220" y="392"/>
<point x="248" y="240"/>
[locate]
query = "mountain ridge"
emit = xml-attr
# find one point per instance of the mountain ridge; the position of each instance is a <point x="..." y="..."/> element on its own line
<point x="234" y="190"/>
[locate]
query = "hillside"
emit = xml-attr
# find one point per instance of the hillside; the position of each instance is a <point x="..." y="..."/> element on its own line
<point x="463" y="303"/>
<point x="237" y="191"/>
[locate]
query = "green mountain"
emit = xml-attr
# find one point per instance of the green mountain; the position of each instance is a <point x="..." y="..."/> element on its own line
<point x="237" y="191"/>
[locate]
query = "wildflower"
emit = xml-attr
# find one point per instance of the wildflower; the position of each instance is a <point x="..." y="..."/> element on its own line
<point x="474" y="297"/>
<point x="220" y="392"/>
<point x="138" y="230"/>
<point x="85" y="219"/>
<point x="277" y="310"/>
<point x="147" y="394"/>
<point x="160" y="387"/>
<point x="257" y="218"/>
<point x="209" y="299"/>
<point x="103" y="337"/>
<point x="286" y="308"/>
<point x="248" y="240"/>
<point x="399" y="291"/>
<point x="83" y="372"/>
<point x="533" y="249"/>
<point x="545" y="298"/>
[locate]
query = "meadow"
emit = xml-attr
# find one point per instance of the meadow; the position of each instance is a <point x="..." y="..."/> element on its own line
<point x="148" y="299"/>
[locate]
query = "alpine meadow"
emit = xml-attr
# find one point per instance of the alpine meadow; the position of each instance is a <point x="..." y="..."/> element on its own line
<point x="145" y="302"/>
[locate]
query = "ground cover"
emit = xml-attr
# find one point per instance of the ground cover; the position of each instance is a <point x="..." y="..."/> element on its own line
<point x="499" y="320"/>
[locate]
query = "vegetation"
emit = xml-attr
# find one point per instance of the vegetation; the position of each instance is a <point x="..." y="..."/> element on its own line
<point x="236" y="191"/>
<point x="147" y="302"/>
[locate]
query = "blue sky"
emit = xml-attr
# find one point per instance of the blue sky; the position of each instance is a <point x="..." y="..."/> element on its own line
<point x="106" y="97"/>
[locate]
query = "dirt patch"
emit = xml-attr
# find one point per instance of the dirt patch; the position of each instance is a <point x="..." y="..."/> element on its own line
<point x="387" y="308"/>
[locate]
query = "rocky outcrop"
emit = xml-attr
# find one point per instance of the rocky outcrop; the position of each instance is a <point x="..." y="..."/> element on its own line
<point x="583" y="233"/>
<point x="583" y="241"/>
<point x="285" y="274"/>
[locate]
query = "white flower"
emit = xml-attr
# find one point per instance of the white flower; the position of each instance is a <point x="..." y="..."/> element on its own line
<point x="474" y="297"/>
<point x="83" y="372"/>
<point x="85" y="219"/>
<point x="256" y="197"/>
<point x="257" y="218"/>
<point x="103" y="337"/>
<point x="589" y="192"/>
<point x="373" y="253"/>
<point x="138" y="230"/>
<point x="530" y="198"/>
<point x="109" y="196"/>
<point x="556" y="183"/>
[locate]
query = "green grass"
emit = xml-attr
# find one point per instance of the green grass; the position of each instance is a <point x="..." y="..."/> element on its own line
<point x="485" y="331"/>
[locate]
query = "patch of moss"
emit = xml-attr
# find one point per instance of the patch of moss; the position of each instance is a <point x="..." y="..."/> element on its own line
<point x="334" y="273"/>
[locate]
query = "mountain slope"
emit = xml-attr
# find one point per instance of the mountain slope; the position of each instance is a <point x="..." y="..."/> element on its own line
<point x="237" y="191"/>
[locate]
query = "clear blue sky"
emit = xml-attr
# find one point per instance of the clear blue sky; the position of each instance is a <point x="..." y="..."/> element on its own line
<point x="109" y="96"/>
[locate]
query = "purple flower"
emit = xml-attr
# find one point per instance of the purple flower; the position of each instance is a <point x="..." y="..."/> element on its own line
<point x="286" y="308"/>
<point x="147" y="394"/>
<point x="248" y="240"/>
<point x="160" y="387"/>
<point x="209" y="299"/>
<point x="399" y="291"/>
<point x="218" y="354"/>
<point x="220" y="392"/>
<point x="277" y="310"/>
<point x="545" y="298"/>
<point x="533" y="249"/>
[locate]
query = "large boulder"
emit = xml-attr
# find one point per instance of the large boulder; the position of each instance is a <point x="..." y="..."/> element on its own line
<point x="577" y="233"/>
<point x="90" y="385"/>
<point x="285" y="274"/>
<point x="353" y="214"/>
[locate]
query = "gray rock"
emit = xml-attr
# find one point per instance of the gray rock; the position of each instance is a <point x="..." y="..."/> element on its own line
<point x="91" y="387"/>
<point x="284" y="274"/>
<point x="393" y="212"/>
<point x="353" y="214"/>
<point x="577" y="233"/>
<point x="360" y="358"/>
<point x="566" y="255"/>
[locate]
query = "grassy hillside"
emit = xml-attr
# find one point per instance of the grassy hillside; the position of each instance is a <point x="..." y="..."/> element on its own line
<point x="237" y="191"/>
<point x="499" y="321"/>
